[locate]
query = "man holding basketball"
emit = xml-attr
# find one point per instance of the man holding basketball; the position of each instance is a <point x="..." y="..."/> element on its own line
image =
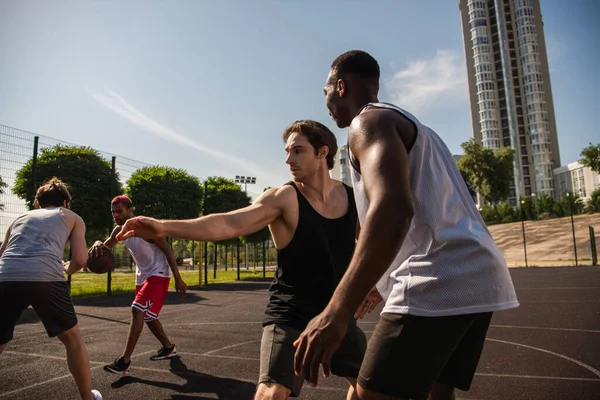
<point x="153" y="258"/>
<point x="32" y="273"/>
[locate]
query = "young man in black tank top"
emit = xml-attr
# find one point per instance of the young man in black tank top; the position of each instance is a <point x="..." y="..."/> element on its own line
<point x="313" y="222"/>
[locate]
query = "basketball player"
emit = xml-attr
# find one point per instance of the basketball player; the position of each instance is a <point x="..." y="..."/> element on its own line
<point x="313" y="224"/>
<point x="152" y="259"/>
<point x="422" y="242"/>
<point x="32" y="273"/>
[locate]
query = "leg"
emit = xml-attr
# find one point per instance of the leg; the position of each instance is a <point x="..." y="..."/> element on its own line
<point x="346" y="361"/>
<point x="14" y="302"/>
<point x="461" y="367"/>
<point x="351" y="389"/>
<point x="52" y="302"/>
<point x="135" y="330"/>
<point x="271" y="391"/>
<point x="156" y="289"/>
<point x="407" y="354"/>
<point x="157" y="330"/>
<point x="277" y="379"/>
<point x="78" y="361"/>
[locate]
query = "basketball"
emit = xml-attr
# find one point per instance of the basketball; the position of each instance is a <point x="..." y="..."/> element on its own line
<point x="101" y="264"/>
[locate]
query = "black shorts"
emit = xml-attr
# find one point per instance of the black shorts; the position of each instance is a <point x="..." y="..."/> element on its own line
<point x="277" y="356"/>
<point x="407" y="354"/>
<point x="50" y="300"/>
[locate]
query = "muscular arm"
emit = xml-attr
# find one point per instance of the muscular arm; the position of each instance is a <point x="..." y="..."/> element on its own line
<point x="112" y="240"/>
<point x="79" y="252"/>
<point x="384" y="166"/>
<point x="212" y="228"/>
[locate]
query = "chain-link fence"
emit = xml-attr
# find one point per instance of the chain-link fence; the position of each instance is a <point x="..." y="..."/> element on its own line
<point x="20" y="151"/>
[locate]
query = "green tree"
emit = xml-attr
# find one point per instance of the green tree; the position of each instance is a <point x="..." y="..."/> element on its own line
<point x="593" y="205"/>
<point x="490" y="173"/>
<point x="2" y="186"/>
<point x="88" y="176"/>
<point x="577" y="204"/>
<point x="470" y="186"/>
<point x="591" y="157"/>
<point x="151" y="193"/>
<point x="545" y="206"/>
<point x="527" y="207"/>
<point x="507" y="213"/>
<point x="223" y="195"/>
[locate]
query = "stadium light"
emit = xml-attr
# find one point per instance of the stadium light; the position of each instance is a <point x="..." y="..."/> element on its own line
<point x="245" y="180"/>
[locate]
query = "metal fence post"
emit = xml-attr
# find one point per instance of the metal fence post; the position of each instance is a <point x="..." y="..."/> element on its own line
<point x="110" y="226"/>
<point x="593" y="245"/>
<point x="34" y="170"/>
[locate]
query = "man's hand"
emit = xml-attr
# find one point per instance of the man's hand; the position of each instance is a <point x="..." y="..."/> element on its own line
<point x="142" y="227"/>
<point x="66" y="266"/>
<point x="97" y="248"/>
<point x="368" y="304"/>
<point x="321" y="338"/>
<point x="180" y="286"/>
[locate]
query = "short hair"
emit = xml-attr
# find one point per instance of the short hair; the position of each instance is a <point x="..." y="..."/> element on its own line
<point x="52" y="193"/>
<point x="358" y="63"/>
<point x="317" y="134"/>
<point x="122" y="199"/>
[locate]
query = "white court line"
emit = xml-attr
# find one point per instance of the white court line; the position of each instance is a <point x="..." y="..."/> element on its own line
<point x="558" y="288"/>
<point x="58" y="377"/>
<point x="522" y="327"/>
<point x="219" y="323"/>
<point x="581" y="364"/>
<point x="562" y="378"/>
<point x="218" y="356"/>
<point x="546" y="328"/>
<point x="230" y="347"/>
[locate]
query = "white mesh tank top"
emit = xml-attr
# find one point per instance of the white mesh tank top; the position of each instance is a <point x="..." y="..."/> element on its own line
<point x="448" y="263"/>
<point x="149" y="259"/>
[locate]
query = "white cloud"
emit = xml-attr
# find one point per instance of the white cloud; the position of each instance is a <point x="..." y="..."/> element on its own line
<point x="426" y="84"/>
<point x="116" y="103"/>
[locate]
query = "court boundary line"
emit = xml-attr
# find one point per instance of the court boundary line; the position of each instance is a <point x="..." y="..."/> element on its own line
<point x="580" y="363"/>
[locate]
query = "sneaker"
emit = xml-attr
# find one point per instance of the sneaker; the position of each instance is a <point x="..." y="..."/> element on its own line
<point x="97" y="395"/>
<point x="118" y="367"/>
<point x="164" y="353"/>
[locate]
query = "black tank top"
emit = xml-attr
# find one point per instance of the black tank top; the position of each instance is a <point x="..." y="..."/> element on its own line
<point x="311" y="266"/>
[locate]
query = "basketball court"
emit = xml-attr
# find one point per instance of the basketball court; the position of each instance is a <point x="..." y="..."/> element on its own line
<point x="548" y="348"/>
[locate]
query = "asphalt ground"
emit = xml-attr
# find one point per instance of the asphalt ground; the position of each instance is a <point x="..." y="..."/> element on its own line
<point x="548" y="348"/>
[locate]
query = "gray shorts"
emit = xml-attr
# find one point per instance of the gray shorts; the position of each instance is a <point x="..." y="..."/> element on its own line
<point x="277" y="356"/>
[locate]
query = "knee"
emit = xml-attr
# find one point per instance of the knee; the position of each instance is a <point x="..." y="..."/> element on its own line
<point x="2" y="346"/>
<point x="137" y="314"/>
<point x="271" y="391"/>
<point x="71" y="336"/>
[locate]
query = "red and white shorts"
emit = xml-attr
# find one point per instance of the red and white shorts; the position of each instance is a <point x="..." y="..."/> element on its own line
<point x="150" y="297"/>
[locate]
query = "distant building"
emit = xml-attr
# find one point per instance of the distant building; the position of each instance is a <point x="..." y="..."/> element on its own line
<point x="576" y="178"/>
<point x="509" y="88"/>
<point x="341" y="167"/>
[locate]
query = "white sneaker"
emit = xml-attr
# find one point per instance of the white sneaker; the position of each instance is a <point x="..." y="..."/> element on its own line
<point x="97" y="395"/>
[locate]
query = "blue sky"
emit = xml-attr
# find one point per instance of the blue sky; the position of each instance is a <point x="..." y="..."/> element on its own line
<point x="210" y="86"/>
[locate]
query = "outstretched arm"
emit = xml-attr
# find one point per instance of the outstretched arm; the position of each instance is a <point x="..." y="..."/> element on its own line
<point x="211" y="228"/>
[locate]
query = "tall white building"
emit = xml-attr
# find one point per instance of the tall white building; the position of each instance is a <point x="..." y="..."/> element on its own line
<point x="341" y="166"/>
<point x="509" y="87"/>
<point x="576" y="178"/>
